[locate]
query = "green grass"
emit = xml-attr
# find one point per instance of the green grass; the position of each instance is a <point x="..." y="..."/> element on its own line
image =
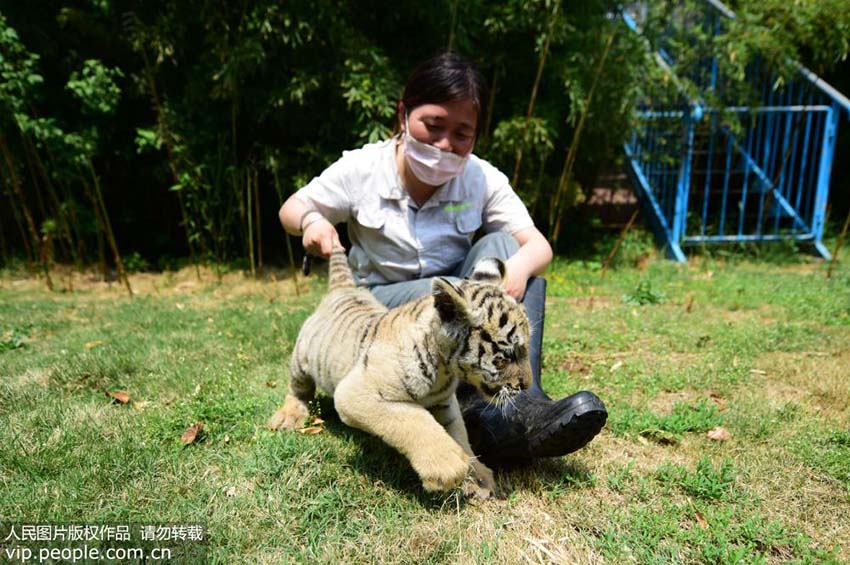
<point x="761" y="349"/>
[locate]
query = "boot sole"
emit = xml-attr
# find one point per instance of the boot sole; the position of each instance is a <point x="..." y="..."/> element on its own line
<point x="570" y="433"/>
<point x="580" y="421"/>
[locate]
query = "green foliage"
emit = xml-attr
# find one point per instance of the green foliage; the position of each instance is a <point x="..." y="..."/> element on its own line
<point x="13" y="339"/>
<point x="683" y="418"/>
<point x="95" y="87"/>
<point x="706" y="481"/>
<point x="371" y="90"/>
<point x="134" y="262"/>
<point x="193" y="96"/>
<point x="644" y="294"/>
<point x="18" y="70"/>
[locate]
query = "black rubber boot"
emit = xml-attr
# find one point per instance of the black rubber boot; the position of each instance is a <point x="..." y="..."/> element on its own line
<point x="534" y="302"/>
<point x="533" y="425"/>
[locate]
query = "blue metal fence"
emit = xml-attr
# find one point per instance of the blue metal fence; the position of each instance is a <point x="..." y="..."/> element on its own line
<point x="759" y="172"/>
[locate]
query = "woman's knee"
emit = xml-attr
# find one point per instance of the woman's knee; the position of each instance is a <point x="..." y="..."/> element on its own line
<point x="497" y="244"/>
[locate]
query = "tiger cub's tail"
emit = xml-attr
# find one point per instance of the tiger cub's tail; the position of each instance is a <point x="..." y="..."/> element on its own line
<point x="339" y="274"/>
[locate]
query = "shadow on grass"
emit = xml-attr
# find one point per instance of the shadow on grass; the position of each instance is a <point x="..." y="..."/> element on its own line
<point x="389" y="469"/>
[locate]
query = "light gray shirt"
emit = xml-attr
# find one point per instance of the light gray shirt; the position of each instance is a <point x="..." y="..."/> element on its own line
<point x="393" y="239"/>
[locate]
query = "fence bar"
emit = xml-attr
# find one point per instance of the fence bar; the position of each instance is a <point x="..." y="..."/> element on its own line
<point x="775" y="171"/>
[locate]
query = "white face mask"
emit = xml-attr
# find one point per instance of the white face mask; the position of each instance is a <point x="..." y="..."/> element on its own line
<point x="429" y="164"/>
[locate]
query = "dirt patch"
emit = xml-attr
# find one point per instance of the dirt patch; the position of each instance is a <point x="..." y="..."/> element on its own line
<point x="34" y="377"/>
<point x="818" y="379"/>
<point x="275" y="283"/>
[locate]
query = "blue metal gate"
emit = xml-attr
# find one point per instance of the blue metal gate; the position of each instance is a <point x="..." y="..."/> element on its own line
<point x="707" y="178"/>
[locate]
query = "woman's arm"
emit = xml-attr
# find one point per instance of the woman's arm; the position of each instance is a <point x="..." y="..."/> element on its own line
<point x="318" y="235"/>
<point x="533" y="257"/>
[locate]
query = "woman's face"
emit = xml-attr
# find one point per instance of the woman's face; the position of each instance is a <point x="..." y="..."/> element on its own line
<point x="448" y="126"/>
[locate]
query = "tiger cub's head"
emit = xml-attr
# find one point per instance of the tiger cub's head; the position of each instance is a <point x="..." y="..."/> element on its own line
<point x="491" y="330"/>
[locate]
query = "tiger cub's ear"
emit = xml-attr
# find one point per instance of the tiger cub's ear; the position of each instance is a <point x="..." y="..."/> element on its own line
<point x="490" y="270"/>
<point x="449" y="301"/>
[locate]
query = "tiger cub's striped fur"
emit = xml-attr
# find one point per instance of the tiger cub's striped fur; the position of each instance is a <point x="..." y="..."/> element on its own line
<point x="393" y="373"/>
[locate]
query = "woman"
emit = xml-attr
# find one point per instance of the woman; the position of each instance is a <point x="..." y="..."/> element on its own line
<point x="413" y="204"/>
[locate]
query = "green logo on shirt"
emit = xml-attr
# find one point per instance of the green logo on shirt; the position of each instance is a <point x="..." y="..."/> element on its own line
<point x="457" y="207"/>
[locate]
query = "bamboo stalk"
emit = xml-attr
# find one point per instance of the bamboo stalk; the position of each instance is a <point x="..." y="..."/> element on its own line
<point x="249" y="195"/>
<point x="452" y="25"/>
<point x="838" y="245"/>
<point x="258" y="224"/>
<point x="30" y="220"/>
<point x="72" y="214"/>
<point x="535" y="198"/>
<point x="55" y="211"/>
<point x="4" y="250"/>
<point x="543" y="54"/>
<point x="101" y="243"/>
<point x="110" y="235"/>
<point x="16" y="214"/>
<point x="556" y="212"/>
<point x="619" y="242"/>
<point x="165" y="136"/>
<point x="61" y="214"/>
<point x="491" y="101"/>
<point x="286" y="236"/>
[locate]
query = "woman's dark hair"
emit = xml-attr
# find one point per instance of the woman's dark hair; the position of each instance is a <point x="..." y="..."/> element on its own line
<point x="445" y="78"/>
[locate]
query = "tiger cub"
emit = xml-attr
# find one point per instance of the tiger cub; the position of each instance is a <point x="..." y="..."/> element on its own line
<point x="393" y="373"/>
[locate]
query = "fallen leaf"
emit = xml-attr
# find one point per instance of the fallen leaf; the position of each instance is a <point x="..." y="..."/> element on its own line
<point x="719" y="434"/>
<point x="311" y="430"/>
<point x="616" y="366"/>
<point x="701" y="521"/>
<point x="718" y="400"/>
<point x="191" y="433"/>
<point x="120" y="396"/>
<point x="93" y="344"/>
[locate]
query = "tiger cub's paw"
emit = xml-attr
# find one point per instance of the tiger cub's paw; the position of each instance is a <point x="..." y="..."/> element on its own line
<point x="480" y="483"/>
<point x="290" y="416"/>
<point x="445" y="472"/>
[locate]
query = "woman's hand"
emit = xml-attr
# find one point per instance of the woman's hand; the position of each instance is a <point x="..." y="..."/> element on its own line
<point x="515" y="281"/>
<point x="532" y="258"/>
<point x="320" y="238"/>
